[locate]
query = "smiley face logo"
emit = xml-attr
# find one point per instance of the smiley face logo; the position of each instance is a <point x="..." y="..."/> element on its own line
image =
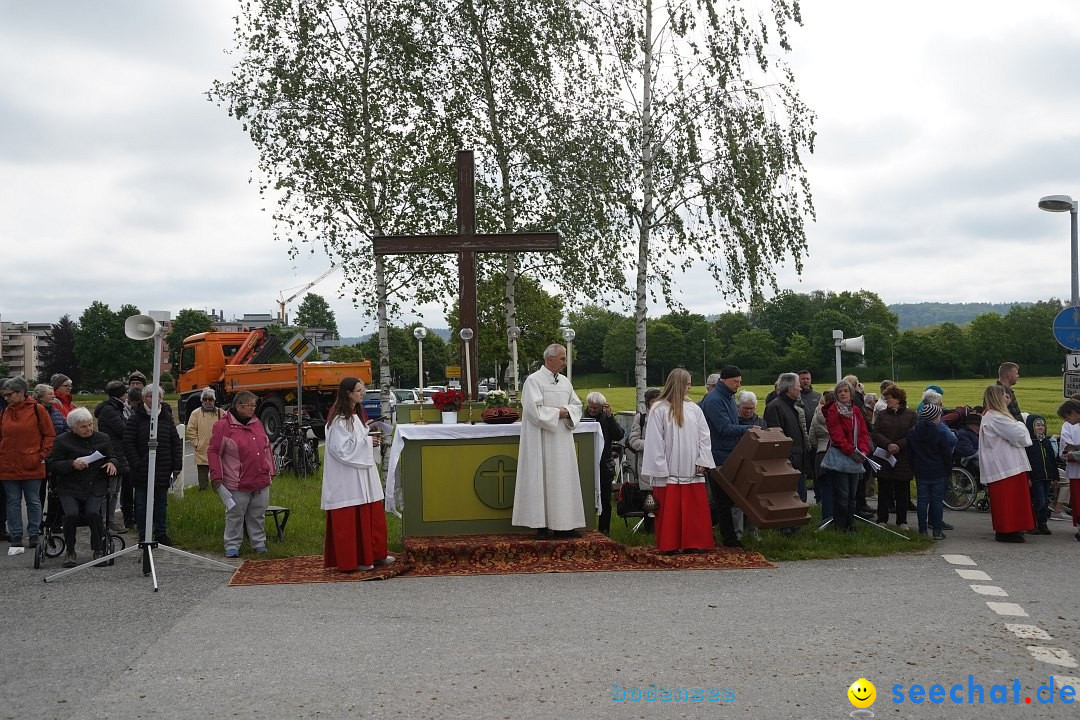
<point x="862" y="693"/>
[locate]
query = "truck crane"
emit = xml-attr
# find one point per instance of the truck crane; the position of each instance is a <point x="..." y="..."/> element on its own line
<point x="282" y="300"/>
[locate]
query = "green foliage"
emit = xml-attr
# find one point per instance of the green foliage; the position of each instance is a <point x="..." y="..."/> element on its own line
<point x="58" y="355"/>
<point x="753" y="349"/>
<point x="403" y="356"/>
<point x="591" y="323"/>
<point x="187" y="322"/>
<point x="619" y="348"/>
<point x="315" y="312"/>
<point x="668" y="350"/>
<point x="104" y="352"/>
<point x="347" y="354"/>
<point x="538" y="317"/>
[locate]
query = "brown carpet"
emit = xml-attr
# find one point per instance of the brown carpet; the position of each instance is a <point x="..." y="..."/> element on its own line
<point x="500" y="555"/>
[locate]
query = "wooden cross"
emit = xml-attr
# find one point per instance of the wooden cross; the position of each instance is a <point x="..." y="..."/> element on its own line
<point x="467" y="243"/>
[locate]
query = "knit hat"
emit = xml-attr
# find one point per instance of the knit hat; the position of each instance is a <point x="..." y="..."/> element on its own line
<point x="730" y="371"/>
<point x="929" y="412"/>
<point x="936" y="388"/>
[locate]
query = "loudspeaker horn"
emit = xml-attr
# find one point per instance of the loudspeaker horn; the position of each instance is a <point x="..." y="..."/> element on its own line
<point x="141" y="327"/>
<point x="855" y="344"/>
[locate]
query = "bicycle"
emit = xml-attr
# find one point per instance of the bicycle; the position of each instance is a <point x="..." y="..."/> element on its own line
<point x="294" y="450"/>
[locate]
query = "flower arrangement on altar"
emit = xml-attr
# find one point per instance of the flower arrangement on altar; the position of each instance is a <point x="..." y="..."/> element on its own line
<point x="497" y="399"/>
<point x="448" y="401"/>
<point x="498" y="408"/>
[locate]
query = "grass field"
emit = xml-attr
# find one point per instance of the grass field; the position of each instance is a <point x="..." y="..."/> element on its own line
<point x="1040" y="395"/>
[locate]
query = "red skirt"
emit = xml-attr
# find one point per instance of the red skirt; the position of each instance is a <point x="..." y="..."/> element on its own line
<point x="355" y="536"/>
<point x="1010" y="504"/>
<point x="683" y="521"/>
<point x="1074" y="502"/>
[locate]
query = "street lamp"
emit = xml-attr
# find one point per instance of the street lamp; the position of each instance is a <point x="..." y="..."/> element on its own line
<point x="569" y="335"/>
<point x="1064" y="203"/>
<point x="420" y="333"/>
<point x="513" y="333"/>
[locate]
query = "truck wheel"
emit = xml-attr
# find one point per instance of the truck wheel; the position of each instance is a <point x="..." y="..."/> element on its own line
<point x="270" y="417"/>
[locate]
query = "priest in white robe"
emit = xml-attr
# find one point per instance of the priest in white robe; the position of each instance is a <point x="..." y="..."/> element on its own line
<point x="547" y="491"/>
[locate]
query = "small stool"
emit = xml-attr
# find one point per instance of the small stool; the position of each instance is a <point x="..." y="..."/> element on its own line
<point x="281" y="519"/>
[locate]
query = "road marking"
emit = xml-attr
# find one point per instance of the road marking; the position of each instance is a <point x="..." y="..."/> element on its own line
<point x="1053" y="656"/>
<point x="972" y="574"/>
<point x="1007" y="609"/>
<point x="989" y="590"/>
<point x="958" y="559"/>
<point x="1027" y="632"/>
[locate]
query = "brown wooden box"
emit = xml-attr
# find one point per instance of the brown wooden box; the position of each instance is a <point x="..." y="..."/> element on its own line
<point x="760" y="480"/>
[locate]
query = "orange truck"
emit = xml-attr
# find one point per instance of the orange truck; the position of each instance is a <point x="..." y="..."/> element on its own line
<point x="230" y="362"/>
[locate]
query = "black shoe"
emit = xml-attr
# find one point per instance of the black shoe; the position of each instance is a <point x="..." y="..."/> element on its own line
<point x="33" y="541"/>
<point x="71" y="559"/>
<point x="1044" y="530"/>
<point x="97" y="556"/>
<point x="946" y="526"/>
<point x="1009" y="537"/>
<point x="735" y="544"/>
<point x="911" y="507"/>
<point x="563" y="534"/>
<point x="4" y="537"/>
<point x="164" y="539"/>
<point x="130" y="524"/>
<point x="542" y="533"/>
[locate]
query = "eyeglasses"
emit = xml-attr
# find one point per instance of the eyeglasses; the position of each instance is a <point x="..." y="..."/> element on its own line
<point x="251" y="405"/>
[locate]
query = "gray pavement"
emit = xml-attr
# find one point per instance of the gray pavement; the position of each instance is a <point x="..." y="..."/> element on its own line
<point x="787" y="642"/>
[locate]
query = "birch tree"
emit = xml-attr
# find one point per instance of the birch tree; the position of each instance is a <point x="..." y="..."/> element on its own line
<point x="716" y="134"/>
<point x="337" y="96"/>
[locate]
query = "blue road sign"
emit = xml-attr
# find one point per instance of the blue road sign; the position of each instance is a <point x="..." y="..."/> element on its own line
<point x="1067" y="328"/>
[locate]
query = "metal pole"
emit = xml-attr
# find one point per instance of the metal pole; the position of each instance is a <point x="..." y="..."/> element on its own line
<point x="299" y="392"/>
<point x="570" y="360"/>
<point x="704" y="371"/>
<point x="1075" y="273"/>
<point x="513" y="353"/>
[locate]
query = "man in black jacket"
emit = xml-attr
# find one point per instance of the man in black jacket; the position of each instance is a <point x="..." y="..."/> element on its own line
<point x="781" y="413"/>
<point x="111" y="419"/>
<point x="169" y="462"/>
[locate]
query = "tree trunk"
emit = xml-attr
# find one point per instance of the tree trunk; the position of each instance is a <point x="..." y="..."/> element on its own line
<point x="641" y="291"/>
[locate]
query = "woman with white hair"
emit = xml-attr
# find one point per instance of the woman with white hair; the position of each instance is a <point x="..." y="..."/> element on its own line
<point x="199" y="428"/>
<point x="598" y="410"/>
<point x="82" y="486"/>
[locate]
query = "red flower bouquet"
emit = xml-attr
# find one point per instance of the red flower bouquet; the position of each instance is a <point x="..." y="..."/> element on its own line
<point x="448" y="401"/>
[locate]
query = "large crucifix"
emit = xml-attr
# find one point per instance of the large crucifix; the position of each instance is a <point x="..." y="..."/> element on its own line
<point x="467" y="243"/>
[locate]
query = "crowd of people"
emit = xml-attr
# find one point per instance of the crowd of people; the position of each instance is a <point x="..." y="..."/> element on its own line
<point x="846" y="440"/>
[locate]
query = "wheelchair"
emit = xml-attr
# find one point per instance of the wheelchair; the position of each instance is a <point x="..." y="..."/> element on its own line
<point x="52" y="545"/>
<point x="964" y="488"/>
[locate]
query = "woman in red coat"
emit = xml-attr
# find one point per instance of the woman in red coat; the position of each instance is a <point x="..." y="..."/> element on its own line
<point x="848" y="433"/>
<point x="26" y="439"/>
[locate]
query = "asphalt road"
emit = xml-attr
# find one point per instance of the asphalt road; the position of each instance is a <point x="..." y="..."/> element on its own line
<point x="782" y="643"/>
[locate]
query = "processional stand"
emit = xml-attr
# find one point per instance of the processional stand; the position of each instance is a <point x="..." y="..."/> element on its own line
<point x="144" y="327"/>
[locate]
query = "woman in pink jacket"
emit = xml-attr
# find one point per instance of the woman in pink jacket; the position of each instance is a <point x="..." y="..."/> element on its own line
<point x="241" y="465"/>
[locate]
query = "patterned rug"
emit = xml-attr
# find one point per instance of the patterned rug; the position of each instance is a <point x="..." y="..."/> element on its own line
<point x="500" y="555"/>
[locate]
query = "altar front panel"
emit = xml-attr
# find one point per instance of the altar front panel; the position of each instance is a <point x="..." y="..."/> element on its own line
<point x="465" y="485"/>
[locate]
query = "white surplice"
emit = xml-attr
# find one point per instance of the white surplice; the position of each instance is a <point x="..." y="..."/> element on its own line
<point x="547" y="491"/>
<point x="349" y="473"/>
<point x="673" y="453"/>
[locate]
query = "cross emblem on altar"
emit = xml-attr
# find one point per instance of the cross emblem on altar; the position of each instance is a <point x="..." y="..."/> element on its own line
<point x="467" y="243"/>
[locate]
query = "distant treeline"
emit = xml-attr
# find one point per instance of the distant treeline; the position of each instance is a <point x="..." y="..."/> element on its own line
<point x="928" y="314"/>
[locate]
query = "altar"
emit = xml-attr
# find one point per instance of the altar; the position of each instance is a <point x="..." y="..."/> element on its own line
<point x="458" y="479"/>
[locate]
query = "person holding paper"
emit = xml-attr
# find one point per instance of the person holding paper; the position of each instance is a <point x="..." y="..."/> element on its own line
<point x="890" y="434"/>
<point x="241" y="462"/>
<point x="547" y="494"/>
<point x="352" y="493"/>
<point x="80" y="465"/>
<point x="849" y="436"/>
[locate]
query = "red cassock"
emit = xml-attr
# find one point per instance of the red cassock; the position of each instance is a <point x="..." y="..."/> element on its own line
<point x="355" y="536"/>
<point x="1010" y="504"/>
<point x="682" y="520"/>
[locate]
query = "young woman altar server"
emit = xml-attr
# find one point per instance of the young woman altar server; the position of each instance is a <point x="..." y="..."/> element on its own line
<point x="677" y="454"/>
<point x="352" y="493"/>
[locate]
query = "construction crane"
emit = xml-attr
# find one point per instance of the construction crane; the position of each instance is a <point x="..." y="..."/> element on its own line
<point x="282" y="300"/>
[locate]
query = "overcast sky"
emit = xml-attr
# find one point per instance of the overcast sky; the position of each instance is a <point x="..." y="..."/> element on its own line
<point x="940" y="124"/>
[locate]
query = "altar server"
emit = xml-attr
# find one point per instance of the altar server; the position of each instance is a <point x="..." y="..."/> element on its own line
<point x="678" y="452"/>
<point x="352" y="493"/>
<point x="547" y="494"/>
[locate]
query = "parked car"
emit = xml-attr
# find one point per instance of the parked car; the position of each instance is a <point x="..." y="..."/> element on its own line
<point x="373" y="404"/>
<point x="406" y="395"/>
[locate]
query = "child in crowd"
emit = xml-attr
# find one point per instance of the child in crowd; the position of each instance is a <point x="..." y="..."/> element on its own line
<point x="1043" y="469"/>
<point x="930" y="448"/>
<point x="1070" y="450"/>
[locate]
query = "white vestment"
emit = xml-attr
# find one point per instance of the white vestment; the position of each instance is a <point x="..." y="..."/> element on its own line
<point x="547" y="490"/>
<point x="349" y="473"/>
<point x="673" y="453"/>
